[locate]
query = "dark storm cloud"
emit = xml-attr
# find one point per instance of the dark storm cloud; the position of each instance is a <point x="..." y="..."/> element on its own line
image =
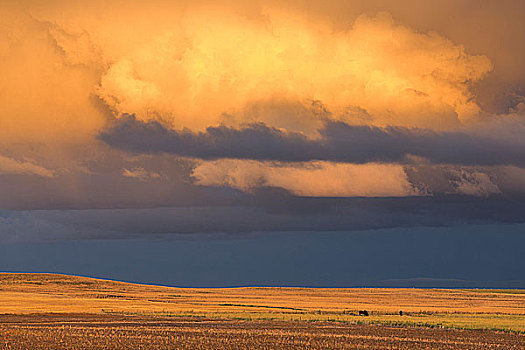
<point x="278" y="212"/>
<point x="339" y="142"/>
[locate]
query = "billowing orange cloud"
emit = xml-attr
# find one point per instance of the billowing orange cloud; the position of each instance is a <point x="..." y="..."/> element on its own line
<point x="68" y="68"/>
<point x="199" y="65"/>
<point x="218" y="63"/>
<point x="44" y="99"/>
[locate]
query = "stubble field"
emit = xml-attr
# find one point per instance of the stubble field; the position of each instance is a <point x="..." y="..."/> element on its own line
<point x="41" y="311"/>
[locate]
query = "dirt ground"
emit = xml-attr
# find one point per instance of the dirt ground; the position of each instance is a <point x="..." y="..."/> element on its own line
<point x="82" y="331"/>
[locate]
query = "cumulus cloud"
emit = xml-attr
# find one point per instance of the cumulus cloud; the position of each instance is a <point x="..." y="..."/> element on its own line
<point x="189" y="65"/>
<point x="221" y="62"/>
<point x="327" y="179"/>
<point x="317" y="179"/>
<point x="316" y="84"/>
<point x="45" y="99"/>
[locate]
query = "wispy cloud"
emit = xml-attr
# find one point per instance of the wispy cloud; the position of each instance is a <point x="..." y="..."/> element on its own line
<point x="140" y="174"/>
<point x="13" y="166"/>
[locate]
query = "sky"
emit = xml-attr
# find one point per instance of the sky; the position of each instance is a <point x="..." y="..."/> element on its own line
<point x="267" y="143"/>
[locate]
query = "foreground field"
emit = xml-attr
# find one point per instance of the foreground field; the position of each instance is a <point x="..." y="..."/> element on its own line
<point x="55" y="311"/>
<point x="69" y="331"/>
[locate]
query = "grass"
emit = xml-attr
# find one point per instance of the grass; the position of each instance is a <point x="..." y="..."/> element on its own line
<point x="502" y="310"/>
<point x="502" y="291"/>
<point x="495" y="322"/>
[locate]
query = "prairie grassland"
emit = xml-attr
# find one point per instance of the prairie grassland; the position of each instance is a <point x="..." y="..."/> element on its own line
<point x="501" y="310"/>
<point x="83" y="331"/>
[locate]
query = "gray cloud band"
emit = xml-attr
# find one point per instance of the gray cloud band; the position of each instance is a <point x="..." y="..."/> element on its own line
<point x="276" y="213"/>
<point x="488" y="145"/>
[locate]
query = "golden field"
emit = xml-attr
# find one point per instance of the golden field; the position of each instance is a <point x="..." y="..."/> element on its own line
<point x="29" y="299"/>
<point x="49" y="293"/>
